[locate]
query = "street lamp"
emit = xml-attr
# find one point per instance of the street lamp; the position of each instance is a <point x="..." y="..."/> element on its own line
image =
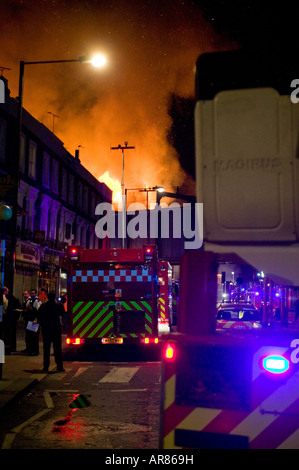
<point x="159" y="189"/>
<point x="147" y="190"/>
<point x="97" y="61"/>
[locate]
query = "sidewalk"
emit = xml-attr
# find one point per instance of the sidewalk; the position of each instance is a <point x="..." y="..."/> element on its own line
<point x="20" y="373"/>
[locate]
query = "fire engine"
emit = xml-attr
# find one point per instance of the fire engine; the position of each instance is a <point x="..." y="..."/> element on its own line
<point x="165" y="296"/>
<point x="112" y="295"/>
<point x="228" y="389"/>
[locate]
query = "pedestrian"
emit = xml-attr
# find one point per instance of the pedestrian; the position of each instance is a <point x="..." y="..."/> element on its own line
<point x="26" y="298"/>
<point x="296" y="309"/>
<point x="43" y="296"/>
<point x="50" y="318"/>
<point x="11" y="313"/>
<point x="32" y="307"/>
<point x="2" y="306"/>
<point x="63" y="302"/>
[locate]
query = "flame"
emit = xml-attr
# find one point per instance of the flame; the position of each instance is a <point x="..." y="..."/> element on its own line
<point x="114" y="185"/>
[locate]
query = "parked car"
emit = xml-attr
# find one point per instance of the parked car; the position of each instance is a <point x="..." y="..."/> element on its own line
<point x="238" y="315"/>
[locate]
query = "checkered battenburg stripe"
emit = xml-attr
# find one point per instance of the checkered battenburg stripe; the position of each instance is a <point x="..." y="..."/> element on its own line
<point x="112" y="275"/>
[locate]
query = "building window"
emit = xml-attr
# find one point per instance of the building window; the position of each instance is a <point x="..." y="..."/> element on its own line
<point x="80" y="195"/>
<point x="22" y="153"/>
<point x="55" y="175"/>
<point x="92" y="205"/>
<point x="24" y="214"/>
<point x="64" y="184"/>
<point x="68" y="231"/>
<point x="2" y="139"/>
<point x="32" y="159"/>
<point x="49" y="234"/>
<point x="85" y="199"/>
<point x="46" y="170"/>
<point x="71" y="189"/>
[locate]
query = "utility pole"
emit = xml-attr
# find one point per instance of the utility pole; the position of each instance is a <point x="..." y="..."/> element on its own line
<point x="123" y="148"/>
<point x="123" y="191"/>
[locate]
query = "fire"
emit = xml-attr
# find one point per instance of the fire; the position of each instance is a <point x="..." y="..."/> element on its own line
<point x="114" y="185"/>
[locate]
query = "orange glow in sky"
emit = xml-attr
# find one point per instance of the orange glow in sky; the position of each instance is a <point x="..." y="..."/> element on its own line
<point x="151" y="50"/>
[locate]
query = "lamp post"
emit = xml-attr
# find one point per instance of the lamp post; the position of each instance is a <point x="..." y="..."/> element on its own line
<point x="159" y="189"/>
<point x="147" y="190"/>
<point x="97" y="61"/>
<point x="123" y="191"/>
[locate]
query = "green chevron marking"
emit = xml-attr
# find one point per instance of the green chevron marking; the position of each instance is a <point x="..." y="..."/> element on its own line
<point x="86" y="318"/>
<point x="86" y="307"/>
<point x="100" y="325"/>
<point x="147" y="305"/>
<point x="96" y="318"/>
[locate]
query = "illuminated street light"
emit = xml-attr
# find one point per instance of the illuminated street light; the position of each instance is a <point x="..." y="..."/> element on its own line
<point x="160" y="189"/>
<point x="99" y="61"/>
<point x="147" y="190"/>
<point x="96" y="61"/>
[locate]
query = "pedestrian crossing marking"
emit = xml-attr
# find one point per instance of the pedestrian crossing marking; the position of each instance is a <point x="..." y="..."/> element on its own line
<point x="119" y="375"/>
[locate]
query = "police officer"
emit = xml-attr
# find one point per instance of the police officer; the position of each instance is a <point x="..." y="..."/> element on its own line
<point x="32" y="307"/>
<point x="50" y="318"/>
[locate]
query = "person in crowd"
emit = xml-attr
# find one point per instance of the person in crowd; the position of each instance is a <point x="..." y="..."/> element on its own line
<point x="26" y="299"/>
<point x="63" y="302"/>
<point x="3" y="305"/>
<point x="43" y="295"/>
<point x="50" y="319"/>
<point x="32" y="306"/>
<point x="11" y="313"/>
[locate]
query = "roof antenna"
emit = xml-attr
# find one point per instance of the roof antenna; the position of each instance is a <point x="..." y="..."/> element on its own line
<point x="3" y="68"/>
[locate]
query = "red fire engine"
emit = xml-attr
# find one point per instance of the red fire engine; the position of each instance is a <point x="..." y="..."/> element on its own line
<point x="112" y="295"/>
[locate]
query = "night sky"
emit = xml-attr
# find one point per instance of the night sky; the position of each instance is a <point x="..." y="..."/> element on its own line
<point x="151" y="49"/>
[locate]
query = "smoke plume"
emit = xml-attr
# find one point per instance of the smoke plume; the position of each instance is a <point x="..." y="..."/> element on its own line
<point x="151" y="49"/>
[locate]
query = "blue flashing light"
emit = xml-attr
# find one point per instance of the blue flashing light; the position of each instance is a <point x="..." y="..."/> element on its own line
<point x="276" y="364"/>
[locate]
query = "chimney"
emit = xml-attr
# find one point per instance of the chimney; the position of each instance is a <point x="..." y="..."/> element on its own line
<point x="77" y="155"/>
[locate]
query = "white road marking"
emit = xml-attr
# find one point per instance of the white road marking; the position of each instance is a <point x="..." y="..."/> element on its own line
<point x="80" y="371"/>
<point x="30" y="420"/>
<point x="131" y="390"/>
<point x="8" y="440"/>
<point x="48" y="399"/>
<point x="119" y="375"/>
